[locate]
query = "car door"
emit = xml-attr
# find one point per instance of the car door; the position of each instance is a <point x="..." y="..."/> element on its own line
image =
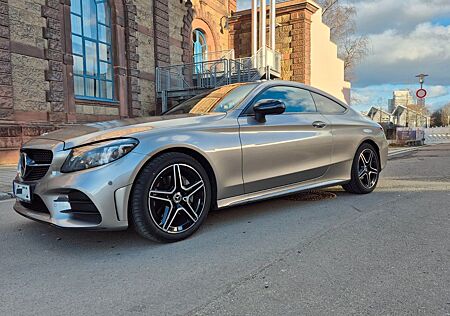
<point x="345" y="128"/>
<point x="288" y="148"/>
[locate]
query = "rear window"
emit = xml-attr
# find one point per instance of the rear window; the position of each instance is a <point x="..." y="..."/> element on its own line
<point x="327" y="106"/>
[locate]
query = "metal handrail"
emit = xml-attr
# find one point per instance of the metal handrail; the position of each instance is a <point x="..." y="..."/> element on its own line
<point x="191" y="76"/>
<point x="216" y="55"/>
<point x="222" y="71"/>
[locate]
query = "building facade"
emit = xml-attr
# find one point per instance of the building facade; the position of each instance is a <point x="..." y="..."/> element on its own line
<point x="68" y="62"/>
<point x="402" y="97"/>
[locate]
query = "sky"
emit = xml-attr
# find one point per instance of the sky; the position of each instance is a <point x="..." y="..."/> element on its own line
<point x="406" y="37"/>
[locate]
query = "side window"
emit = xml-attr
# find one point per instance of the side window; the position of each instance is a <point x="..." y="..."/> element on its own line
<point x="296" y="100"/>
<point x="327" y="106"/>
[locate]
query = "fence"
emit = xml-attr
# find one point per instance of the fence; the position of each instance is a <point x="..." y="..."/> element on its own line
<point x="414" y="136"/>
<point x="434" y="135"/>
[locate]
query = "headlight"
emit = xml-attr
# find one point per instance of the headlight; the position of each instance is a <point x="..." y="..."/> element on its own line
<point x="98" y="154"/>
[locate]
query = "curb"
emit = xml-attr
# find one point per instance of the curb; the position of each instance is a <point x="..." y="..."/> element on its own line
<point x="5" y="196"/>
<point x="402" y="151"/>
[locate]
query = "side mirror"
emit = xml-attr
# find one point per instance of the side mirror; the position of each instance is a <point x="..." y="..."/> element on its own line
<point x="268" y="107"/>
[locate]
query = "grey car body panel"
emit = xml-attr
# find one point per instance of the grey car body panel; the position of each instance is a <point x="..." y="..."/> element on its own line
<point x="250" y="160"/>
<point x="285" y="149"/>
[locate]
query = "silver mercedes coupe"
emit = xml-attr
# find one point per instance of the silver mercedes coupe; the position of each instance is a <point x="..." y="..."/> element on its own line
<point x="236" y="144"/>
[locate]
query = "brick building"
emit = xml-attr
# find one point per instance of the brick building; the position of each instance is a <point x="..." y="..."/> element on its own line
<point x="76" y="61"/>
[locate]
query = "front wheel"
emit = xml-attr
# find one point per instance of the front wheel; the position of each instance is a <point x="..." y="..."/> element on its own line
<point x="365" y="171"/>
<point x="171" y="198"/>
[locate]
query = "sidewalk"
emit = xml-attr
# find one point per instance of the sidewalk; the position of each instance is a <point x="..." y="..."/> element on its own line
<point x="394" y="151"/>
<point x="7" y="174"/>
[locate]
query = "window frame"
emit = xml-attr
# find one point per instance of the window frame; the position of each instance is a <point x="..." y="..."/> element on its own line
<point x="97" y="41"/>
<point x="245" y="111"/>
<point x="324" y="96"/>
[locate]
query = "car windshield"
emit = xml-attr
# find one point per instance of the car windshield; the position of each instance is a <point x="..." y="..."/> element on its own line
<point x="221" y="99"/>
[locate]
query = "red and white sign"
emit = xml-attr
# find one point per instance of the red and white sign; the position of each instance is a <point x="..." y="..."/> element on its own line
<point x="421" y="93"/>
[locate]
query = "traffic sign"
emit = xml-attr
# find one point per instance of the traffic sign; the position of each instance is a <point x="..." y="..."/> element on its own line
<point x="421" y="93"/>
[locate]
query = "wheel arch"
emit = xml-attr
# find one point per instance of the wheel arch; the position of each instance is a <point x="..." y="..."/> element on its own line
<point x="374" y="144"/>
<point x="197" y="155"/>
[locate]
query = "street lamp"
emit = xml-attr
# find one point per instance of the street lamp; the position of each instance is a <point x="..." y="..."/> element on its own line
<point x="421" y="79"/>
<point x="422" y="92"/>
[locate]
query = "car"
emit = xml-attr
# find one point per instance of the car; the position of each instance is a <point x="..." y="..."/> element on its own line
<point x="232" y="145"/>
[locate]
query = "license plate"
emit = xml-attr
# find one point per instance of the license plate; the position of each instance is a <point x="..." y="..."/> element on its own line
<point x="22" y="192"/>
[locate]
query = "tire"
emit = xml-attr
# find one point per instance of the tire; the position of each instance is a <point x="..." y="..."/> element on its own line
<point x="365" y="170"/>
<point x="165" y="208"/>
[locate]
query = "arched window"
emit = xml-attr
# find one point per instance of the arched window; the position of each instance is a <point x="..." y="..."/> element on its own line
<point x="200" y="49"/>
<point x="91" y="49"/>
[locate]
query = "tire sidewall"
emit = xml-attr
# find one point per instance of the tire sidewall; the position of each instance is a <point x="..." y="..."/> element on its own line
<point x="143" y="183"/>
<point x="355" y="166"/>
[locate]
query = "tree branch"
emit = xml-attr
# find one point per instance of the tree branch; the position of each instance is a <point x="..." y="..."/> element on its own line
<point x="325" y="9"/>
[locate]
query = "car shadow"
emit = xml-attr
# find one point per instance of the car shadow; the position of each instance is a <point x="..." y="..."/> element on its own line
<point x="64" y="240"/>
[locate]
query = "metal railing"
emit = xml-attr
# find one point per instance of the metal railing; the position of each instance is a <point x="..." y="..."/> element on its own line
<point x="217" y="55"/>
<point x="206" y="74"/>
<point x="215" y="73"/>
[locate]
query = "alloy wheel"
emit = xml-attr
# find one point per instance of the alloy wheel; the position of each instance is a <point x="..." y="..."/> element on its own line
<point x="368" y="168"/>
<point x="177" y="198"/>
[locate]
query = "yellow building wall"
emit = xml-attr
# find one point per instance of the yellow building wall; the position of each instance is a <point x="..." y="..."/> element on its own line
<point x="327" y="70"/>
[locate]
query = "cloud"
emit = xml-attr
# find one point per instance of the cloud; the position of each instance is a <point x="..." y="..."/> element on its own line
<point x="438" y="91"/>
<point x="376" y="16"/>
<point x="407" y="37"/>
<point x="397" y="57"/>
<point x="244" y="4"/>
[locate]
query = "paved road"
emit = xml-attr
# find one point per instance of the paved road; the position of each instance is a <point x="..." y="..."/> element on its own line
<point x="7" y="174"/>
<point x="384" y="253"/>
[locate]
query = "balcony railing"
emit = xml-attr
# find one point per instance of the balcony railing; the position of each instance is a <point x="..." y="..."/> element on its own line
<point x="215" y="73"/>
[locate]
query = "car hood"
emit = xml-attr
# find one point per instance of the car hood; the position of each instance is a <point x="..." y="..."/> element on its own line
<point x="77" y="135"/>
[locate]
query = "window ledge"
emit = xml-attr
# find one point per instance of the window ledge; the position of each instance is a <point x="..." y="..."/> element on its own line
<point x="98" y="102"/>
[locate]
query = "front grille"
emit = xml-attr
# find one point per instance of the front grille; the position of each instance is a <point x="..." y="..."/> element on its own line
<point x="39" y="157"/>
<point x="36" y="173"/>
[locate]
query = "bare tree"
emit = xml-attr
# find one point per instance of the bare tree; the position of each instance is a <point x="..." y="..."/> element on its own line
<point x="441" y="117"/>
<point x="340" y="18"/>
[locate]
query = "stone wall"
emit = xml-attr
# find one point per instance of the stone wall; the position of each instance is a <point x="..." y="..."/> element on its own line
<point x="36" y="66"/>
<point x="146" y="57"/>
<point x="177" y="10"/>
<point x="293" y="37"/>
<point x="210" y="16"/>
<point x="6" y="92"/>
<point x="36" y="61"/>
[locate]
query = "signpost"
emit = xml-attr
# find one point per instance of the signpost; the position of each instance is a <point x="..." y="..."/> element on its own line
<point x="421" y="93"/>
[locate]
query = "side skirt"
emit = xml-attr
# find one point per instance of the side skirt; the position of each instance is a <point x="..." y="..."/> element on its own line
<point x="275" y="192"/>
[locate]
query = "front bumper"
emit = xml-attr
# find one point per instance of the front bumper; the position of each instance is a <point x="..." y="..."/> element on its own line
<point x="93" y="199"/>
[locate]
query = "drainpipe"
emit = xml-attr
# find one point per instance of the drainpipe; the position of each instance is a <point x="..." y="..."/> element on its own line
<point x="254" y="27"/>
<point x="272" y="24"/>
<point x="263" y="33"/>
<point x="263" y="29"/>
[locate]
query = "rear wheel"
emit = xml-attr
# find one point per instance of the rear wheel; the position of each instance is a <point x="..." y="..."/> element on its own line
<point x="171" y="198"/>
<point x="365" y="171"/>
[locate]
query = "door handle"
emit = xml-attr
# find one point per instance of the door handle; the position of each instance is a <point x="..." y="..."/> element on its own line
<point x="319" y="124"/>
